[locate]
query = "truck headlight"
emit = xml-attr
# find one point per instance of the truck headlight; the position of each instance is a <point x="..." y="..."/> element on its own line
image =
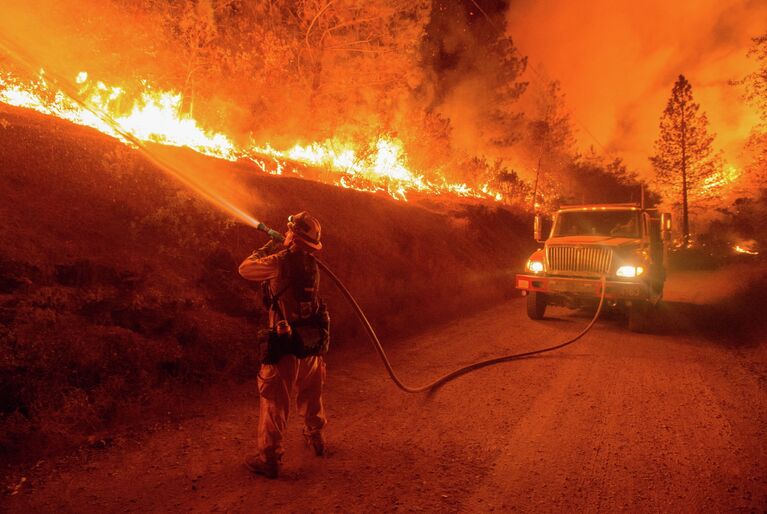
<point x="629" y="271"/>
<point x="535" y="266"/>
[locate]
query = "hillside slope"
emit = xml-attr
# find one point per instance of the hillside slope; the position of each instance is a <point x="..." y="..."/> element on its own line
<point x="119" y="290"/>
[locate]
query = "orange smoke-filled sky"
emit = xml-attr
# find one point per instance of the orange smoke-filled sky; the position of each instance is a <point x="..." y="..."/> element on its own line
<point x="617" y="61"/>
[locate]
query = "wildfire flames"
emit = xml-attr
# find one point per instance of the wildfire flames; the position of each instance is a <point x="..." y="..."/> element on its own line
<point x="156" y="116"/>
<point x="728" y="175"/>
<point x="740" y="249"/>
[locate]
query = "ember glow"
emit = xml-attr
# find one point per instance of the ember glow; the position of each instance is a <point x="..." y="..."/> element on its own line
<point x="740" y="249"/>
<point x="717" y="181"/>
<point x="153" y="115"/>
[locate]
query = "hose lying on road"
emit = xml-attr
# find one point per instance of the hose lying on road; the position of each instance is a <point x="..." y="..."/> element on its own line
<point x="460" y="371"/>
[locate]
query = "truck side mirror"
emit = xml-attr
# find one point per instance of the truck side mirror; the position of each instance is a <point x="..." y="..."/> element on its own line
<point x="538" y="223"/>
<point x="665" y="226"/>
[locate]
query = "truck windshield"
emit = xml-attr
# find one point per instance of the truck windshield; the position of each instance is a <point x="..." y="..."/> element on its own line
<point x="597" y="223"/>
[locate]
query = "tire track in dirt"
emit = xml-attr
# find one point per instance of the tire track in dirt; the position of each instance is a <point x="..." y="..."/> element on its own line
<point x="523" y="475"/>
<point x="637" y="426"/>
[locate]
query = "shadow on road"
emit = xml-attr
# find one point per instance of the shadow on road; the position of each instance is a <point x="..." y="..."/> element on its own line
<point x="735" y="320"/>
<point x="732" y="322"/>
<point x="722" y="305"/>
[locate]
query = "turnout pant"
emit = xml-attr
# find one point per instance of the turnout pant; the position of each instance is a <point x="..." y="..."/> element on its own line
<point x="276" y="383"/>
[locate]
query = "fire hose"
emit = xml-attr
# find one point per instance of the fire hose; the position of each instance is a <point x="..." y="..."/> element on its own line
<point x="453" y="374"/>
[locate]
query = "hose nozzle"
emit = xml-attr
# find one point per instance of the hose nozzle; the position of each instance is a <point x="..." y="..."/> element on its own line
<point x="270" y="232"/>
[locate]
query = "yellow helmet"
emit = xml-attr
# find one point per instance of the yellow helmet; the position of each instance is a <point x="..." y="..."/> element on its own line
<point x="306" y="228"/>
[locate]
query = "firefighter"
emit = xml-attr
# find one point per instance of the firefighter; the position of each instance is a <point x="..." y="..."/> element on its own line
<point x="292" y="348"/>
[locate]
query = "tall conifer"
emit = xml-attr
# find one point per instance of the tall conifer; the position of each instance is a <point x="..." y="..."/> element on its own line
<point x="684" y="154"/>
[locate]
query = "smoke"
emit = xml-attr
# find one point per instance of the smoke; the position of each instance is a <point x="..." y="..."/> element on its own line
<point x="617" y="62"/>
<point x="69" y="35"/>
<point x="463" y="73"/>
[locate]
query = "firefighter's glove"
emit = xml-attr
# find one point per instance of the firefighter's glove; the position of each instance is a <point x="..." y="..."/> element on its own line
<point x="269" y="248"/>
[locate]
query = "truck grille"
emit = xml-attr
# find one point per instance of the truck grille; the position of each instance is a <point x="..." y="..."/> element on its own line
<point x="578" y="259"/>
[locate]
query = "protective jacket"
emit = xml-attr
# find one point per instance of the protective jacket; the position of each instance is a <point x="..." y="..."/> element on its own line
<point x="292" y="276"/>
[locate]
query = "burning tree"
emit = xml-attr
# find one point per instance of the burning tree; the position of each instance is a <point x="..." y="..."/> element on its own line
<point x="746" y="217"/>
<point x="595" y="178"/>
<point x="684" y="156"/>
<point x="550" y="137"/>
<point x="756" y="95"/>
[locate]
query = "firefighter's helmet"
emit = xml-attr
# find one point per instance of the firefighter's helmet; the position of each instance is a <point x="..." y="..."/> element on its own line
<point x="306" y="228"/>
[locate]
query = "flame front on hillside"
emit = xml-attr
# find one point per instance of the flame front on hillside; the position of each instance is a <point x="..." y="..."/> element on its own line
<point x="155" y="116"/>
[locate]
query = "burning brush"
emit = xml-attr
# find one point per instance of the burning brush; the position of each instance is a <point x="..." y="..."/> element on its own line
<point x="156" y="116"/>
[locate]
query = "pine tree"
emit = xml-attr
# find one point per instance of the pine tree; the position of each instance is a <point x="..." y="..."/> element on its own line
<point x="756" y="95"/>
<point x="756" y="81"/>
<point x="684" y="154"/>
<point x="550" y="138"/>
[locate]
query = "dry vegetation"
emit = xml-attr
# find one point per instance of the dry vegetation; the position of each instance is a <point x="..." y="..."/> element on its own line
<point x="442" y="78"/>
<point x="119" y="292"/>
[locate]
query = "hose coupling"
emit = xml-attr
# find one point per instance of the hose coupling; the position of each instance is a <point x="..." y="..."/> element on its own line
<point x="270" y="232"/>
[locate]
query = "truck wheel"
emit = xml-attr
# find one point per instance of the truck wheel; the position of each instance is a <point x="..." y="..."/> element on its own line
<point x="536" y="305"/>
<point x="638" y="316"/>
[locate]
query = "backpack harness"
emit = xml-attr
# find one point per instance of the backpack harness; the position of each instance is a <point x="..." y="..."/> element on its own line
<point x="309" y="333"/>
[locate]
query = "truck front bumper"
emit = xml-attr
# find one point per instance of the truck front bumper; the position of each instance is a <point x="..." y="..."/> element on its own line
<point x="584" y="287"/>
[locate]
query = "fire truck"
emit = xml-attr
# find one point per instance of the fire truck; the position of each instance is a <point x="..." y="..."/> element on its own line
<point x="622" y="242"/>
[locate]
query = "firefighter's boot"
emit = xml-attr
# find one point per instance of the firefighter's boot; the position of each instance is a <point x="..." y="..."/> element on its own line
<point x="268" y="467"/>
<point x="315" y="441"/>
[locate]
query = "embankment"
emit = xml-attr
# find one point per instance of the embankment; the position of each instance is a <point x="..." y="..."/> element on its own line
<point x="119" y="288"/>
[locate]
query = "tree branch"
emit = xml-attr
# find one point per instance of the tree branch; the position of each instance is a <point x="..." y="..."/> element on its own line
<point x="348" y="45"/>
<point x="359" y="50"/>
<point x="484" y="14"/>
<point x="314" y="20"/>
<point x="349" y="24"/>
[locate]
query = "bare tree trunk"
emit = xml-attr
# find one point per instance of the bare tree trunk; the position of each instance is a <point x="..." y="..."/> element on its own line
<point x="685" y="210"/>
<point x="187" y="92"/>
<point x="537" y="173"/>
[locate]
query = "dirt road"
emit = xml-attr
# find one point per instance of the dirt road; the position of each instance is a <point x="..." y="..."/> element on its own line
<point x="674" y="421"/>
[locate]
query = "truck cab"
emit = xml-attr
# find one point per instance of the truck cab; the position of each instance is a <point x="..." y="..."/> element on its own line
<point x="622" y="242"/>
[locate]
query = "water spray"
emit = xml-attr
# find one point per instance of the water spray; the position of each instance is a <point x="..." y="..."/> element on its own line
<point x="68" y="89"/>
